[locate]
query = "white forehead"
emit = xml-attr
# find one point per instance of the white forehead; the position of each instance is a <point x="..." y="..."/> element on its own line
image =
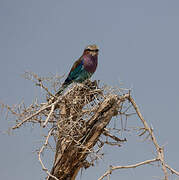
<point x="92" y="47"/>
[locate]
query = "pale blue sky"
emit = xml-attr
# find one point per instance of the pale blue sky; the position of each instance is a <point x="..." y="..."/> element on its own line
<point x="139" y="47"/>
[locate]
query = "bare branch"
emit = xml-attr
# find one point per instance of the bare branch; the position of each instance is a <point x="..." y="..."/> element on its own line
<point x="40" y="152"/>
<point x="172" y="170"/>
<point x="159" y="149"/>
<point x="107" y="133"/>
<point x="48" y="117"/>
<point x="45" y="88"/>
<point x="46" y="106"/>
<point x="112" y="168"/>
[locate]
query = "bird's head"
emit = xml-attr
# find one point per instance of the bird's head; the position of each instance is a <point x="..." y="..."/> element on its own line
<point x="92" y="50"/>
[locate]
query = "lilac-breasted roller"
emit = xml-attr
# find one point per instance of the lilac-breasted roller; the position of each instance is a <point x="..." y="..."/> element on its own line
<point x="83" y="68"/>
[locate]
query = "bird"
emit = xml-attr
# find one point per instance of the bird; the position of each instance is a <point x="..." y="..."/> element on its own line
<point x="83" y="68"/>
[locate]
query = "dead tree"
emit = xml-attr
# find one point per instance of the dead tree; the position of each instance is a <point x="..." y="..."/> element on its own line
<point x="77" y="120"/>
<point x="77" y="134"/>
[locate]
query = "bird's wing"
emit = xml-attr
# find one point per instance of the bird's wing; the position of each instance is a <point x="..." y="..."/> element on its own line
<point x="75" y="71"/>
<point x="76" y="64"/>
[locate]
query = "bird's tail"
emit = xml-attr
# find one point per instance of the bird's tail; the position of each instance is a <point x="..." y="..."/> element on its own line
<point x="62" y="88"/>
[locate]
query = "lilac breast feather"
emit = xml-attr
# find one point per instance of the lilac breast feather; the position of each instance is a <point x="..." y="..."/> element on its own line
<point x="90" y="63"/>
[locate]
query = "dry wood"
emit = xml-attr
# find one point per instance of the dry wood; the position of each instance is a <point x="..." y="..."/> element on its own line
<point x="78" y="143"/>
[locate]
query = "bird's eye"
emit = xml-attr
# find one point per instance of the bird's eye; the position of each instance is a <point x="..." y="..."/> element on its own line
<point x="92" y="50"/>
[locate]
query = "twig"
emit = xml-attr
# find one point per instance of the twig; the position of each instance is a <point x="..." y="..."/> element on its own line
<point x="48" y="117"/>
<point x="46" y="106"/>
<point x="112" y="168"/>
<point x="40" y="152"/>
<point x="45" y="88"/>
<point x="173" y="171"/>
<point x="106" y="133"/>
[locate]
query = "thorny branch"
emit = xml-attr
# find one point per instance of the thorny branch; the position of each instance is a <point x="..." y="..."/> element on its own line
<point x="48" y="117"/>
<point x="116" y="139"/>
<point x="77" y="119"/>
<point x="160" y="151"/>
<point x="41" y="151"/>
<point x="112" y="168"/>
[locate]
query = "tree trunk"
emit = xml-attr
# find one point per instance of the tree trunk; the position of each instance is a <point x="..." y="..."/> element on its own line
<point x="77" y="135"/>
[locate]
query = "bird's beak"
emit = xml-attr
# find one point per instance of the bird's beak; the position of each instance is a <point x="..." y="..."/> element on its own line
<point x="94" y="53"/>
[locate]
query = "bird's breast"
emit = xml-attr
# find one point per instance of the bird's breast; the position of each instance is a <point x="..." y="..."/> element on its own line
<point x="90" y="63"/>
